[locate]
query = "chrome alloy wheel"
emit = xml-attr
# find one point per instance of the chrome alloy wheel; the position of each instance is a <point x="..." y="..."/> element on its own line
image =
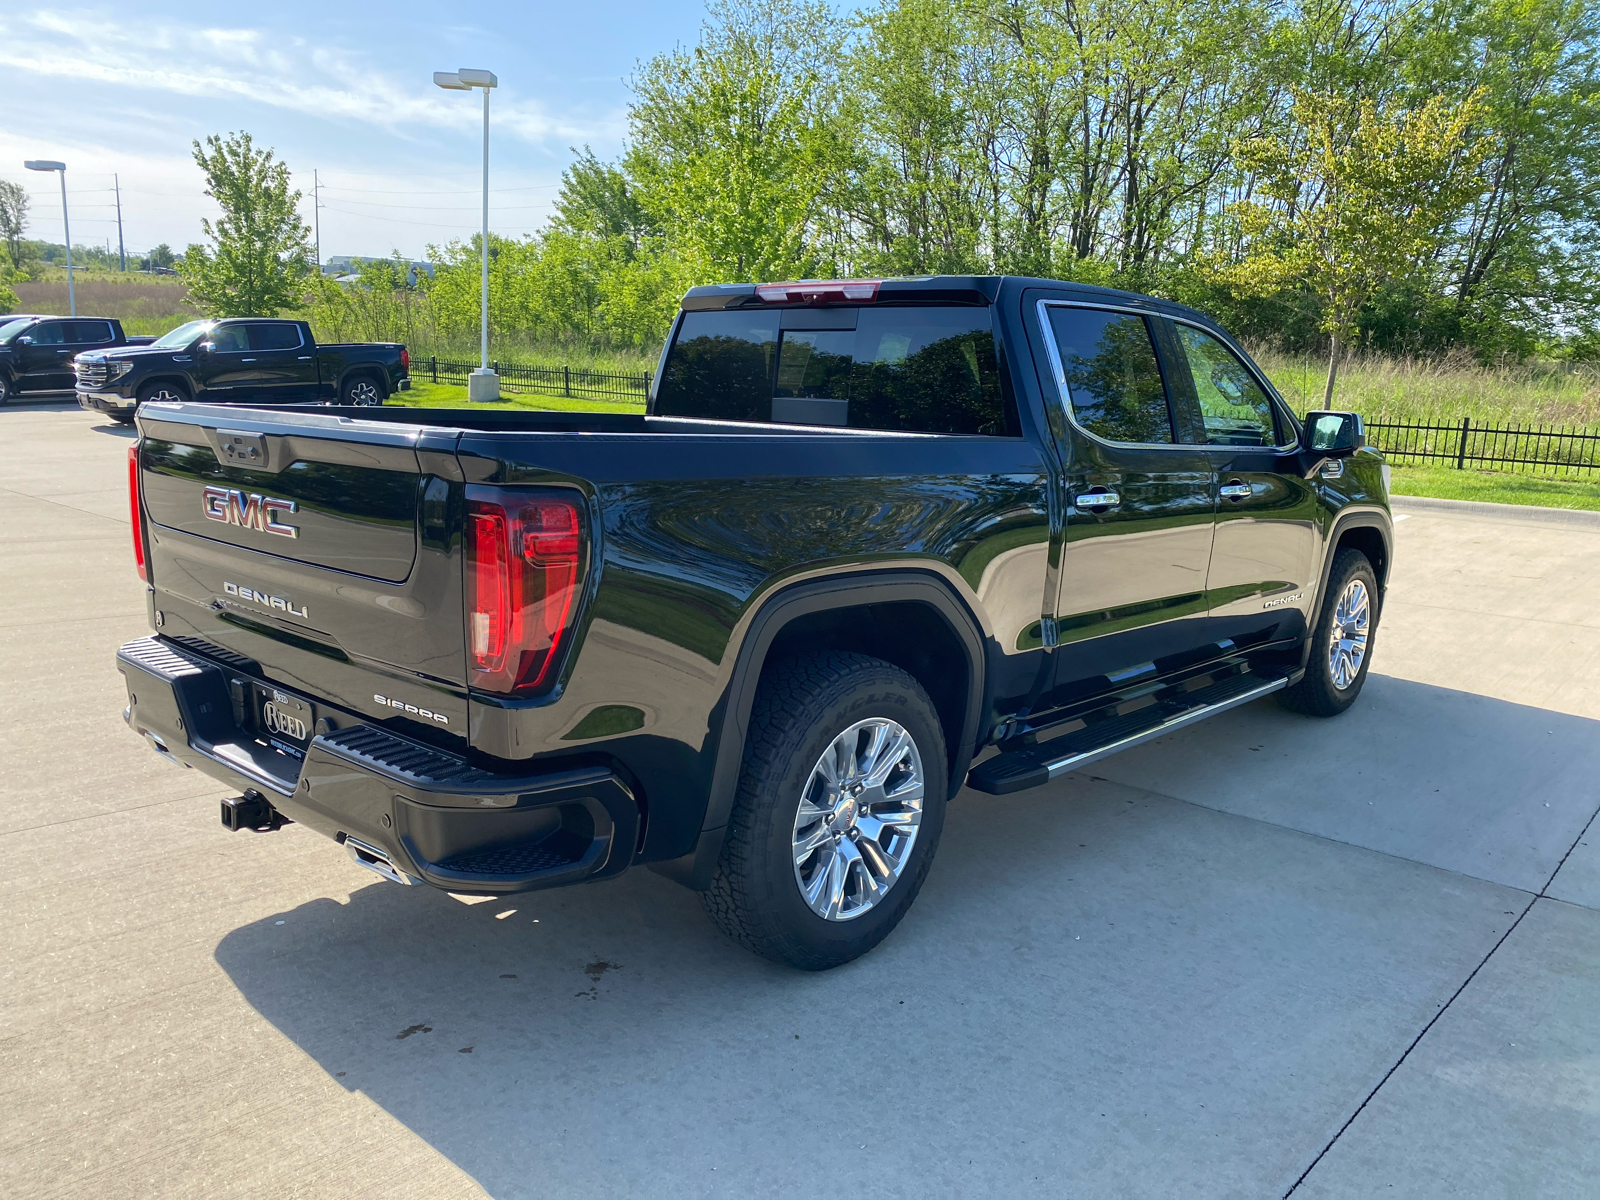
<point x="858" y="819"/>
<point x="364" y="393"/>
<point x="165" y="395"/>
<point x="1347" y="647"/>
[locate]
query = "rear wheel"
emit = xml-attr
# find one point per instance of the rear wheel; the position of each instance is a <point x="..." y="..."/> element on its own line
<point x="362" y="391"/>
<point x="838" y="813"/>
<point x="1341" y="643"/>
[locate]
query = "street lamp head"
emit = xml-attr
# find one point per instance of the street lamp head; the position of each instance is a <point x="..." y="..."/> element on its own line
<point x="44" y="164"/>
<point x="473" y="77"/>
<point x="451" y="80"/>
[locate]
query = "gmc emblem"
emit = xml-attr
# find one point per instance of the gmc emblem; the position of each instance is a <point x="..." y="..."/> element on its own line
<point x="251" y="511"/>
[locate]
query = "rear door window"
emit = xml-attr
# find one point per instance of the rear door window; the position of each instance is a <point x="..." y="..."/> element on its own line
<point x="920" y="370"/>
<point x="90" y="333"/>
<point x="1112" y="378"/>
<point x="273" y="337"/>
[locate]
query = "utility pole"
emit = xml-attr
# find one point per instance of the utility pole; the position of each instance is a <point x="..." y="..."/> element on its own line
<point x="122" y="251"/>
<point x="316" y="215"/>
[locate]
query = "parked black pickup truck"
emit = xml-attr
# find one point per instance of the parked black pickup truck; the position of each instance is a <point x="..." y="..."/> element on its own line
<point x="872" y="540"/>
<point x="36" y="352"/>
<point x="249" y="360"/>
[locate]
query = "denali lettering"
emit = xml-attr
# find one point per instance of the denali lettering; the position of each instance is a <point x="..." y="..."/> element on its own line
<point x="1276" y="601"/>
<point x="251" y="511"/>
<point x="439" y="718"/>
<point x="261" y="598"/>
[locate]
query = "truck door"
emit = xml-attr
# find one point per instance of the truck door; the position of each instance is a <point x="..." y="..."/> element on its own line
<point x="286" y="368"/>
<point x="227" y="368"/>
<point x="1259" y="583"/>
<point x="1139" y="503"/>
<point x="46" y="358"/>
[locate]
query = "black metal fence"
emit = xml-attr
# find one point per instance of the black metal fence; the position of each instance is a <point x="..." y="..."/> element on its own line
<point x="551" y="381"/>
<point x="1541" y="449"/>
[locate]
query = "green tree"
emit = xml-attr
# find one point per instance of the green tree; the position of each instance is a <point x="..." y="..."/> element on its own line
<point x="1364" y="196"/>
<point x="161" y="256"/>
<point x="258" y="261"/>
<point x="13" y="218"/>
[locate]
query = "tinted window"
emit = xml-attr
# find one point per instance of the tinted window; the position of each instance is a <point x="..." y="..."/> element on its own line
<point x="49" y="333"/>
<point x="11" y="329"/>
<point x="1113" y="381"/>
<point x="90" y="332"/>
<point x="720" y="367"/>
<point x="273" y="337"/>
<point x="1234" y="408"/>
<point x="228" y="339"/>
<point x="924" y="370"/>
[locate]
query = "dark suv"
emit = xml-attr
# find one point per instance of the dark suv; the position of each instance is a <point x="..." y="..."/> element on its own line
<point x="872" y="540"/>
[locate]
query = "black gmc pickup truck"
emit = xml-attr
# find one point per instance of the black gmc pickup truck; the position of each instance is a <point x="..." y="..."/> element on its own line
<point x="872" y="540"/>
<point x="247" y="360"/>
<point x="36" y="352"/>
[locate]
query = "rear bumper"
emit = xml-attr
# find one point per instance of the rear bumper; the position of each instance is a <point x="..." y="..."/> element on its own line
<point x="437" y="816"/>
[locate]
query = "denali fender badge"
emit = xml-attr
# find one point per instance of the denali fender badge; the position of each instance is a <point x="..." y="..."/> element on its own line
<point x="1277" y="600"/>
<point x="255" y="597"/>
<point x="412" y="709"/>
<point x="252" y="511"/>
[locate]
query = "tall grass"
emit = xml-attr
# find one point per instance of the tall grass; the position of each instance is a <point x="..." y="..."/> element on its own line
<point x="142" y="304"/>
<point x="1383" y="388"/>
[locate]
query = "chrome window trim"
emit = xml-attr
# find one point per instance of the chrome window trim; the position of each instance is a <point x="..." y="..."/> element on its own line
<point x="1064" y="393"/>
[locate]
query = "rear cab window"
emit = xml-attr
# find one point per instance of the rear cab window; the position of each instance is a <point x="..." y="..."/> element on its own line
<point x="907" y="368"/>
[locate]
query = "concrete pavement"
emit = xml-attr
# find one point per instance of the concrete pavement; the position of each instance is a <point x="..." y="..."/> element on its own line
<point x="1267" y="953"/>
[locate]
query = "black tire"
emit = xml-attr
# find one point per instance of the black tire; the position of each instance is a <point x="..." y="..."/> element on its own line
<point x="1318" y="694"/>
<point x="159" y="391"/>
<point x="361" y="390"/>
<point x="803" y="705"/>
<point x="7" y="388"/>
<point x="122" y="416"/>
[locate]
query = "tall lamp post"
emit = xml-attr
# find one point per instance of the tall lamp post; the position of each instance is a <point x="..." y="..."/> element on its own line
<point x="482" y="384"/>
<point x="44" y="164"/>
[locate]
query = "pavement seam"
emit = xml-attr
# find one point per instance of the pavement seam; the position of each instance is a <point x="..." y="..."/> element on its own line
<point x="70" y="507"/>
<point x="1445" y="1007"/>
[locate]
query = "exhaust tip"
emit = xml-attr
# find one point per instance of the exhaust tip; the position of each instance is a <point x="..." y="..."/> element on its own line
<point x="378" y="862"/>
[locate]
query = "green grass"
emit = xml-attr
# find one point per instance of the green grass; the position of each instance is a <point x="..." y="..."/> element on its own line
<point x="423" y="394"/>
<point x="1382" y="388"/>
<point x="1498" y="487"/>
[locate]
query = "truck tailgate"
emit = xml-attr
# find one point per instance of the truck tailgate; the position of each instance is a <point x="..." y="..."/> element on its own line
<point x="317" y="551"/>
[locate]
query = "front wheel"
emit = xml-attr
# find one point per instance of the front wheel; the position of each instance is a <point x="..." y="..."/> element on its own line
<point x="1341" y="643"/>
<point x="7" y="389"/>
<point x="838" y="812"/>
<point x="160" y="393"/>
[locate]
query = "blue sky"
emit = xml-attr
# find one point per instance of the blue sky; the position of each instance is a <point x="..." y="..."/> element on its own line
<point x="345" y="88"/>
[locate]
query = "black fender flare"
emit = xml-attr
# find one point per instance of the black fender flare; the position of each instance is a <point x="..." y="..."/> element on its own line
<point x="185" y="384"/>
<point x="1368" y="518"/>
<point x="373" y="371"/>
<point x="788" y="604"/>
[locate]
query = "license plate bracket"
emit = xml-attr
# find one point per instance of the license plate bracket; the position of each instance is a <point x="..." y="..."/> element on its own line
<point x="284" y="720"/>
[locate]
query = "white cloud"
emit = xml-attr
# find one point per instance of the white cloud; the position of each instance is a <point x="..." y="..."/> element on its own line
<point x="284" y="72"/>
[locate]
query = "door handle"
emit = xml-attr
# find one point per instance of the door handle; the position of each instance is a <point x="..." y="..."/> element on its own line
<point x="247" y="360"/>
<point x="1235" y="490"/>
<point x="305" y="358"/>
<point x="1099" y="498"/>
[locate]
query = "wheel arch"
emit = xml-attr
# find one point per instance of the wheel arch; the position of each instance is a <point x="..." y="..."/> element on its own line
<point x="377" y="374"/>
<point x="1370" y="531"/>
<point x="913" y="619"/>
<point x="180" y="381"/>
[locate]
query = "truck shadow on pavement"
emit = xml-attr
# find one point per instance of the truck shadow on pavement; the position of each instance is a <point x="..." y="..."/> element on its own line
<point x="1099" y="984"/>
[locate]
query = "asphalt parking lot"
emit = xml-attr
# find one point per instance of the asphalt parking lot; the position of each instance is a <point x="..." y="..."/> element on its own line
<point x="1268" y="953"/>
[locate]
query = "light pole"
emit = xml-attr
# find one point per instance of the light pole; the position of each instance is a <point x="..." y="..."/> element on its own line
<point x="44" y="164"/>
<point x="482" y="384"/>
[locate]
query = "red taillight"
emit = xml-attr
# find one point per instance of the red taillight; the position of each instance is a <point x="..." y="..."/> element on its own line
<point x="523" y="557"/>
<point x="829" y="291"/>
<point x="134" y="512"/>
<point x="405" y="359"/>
